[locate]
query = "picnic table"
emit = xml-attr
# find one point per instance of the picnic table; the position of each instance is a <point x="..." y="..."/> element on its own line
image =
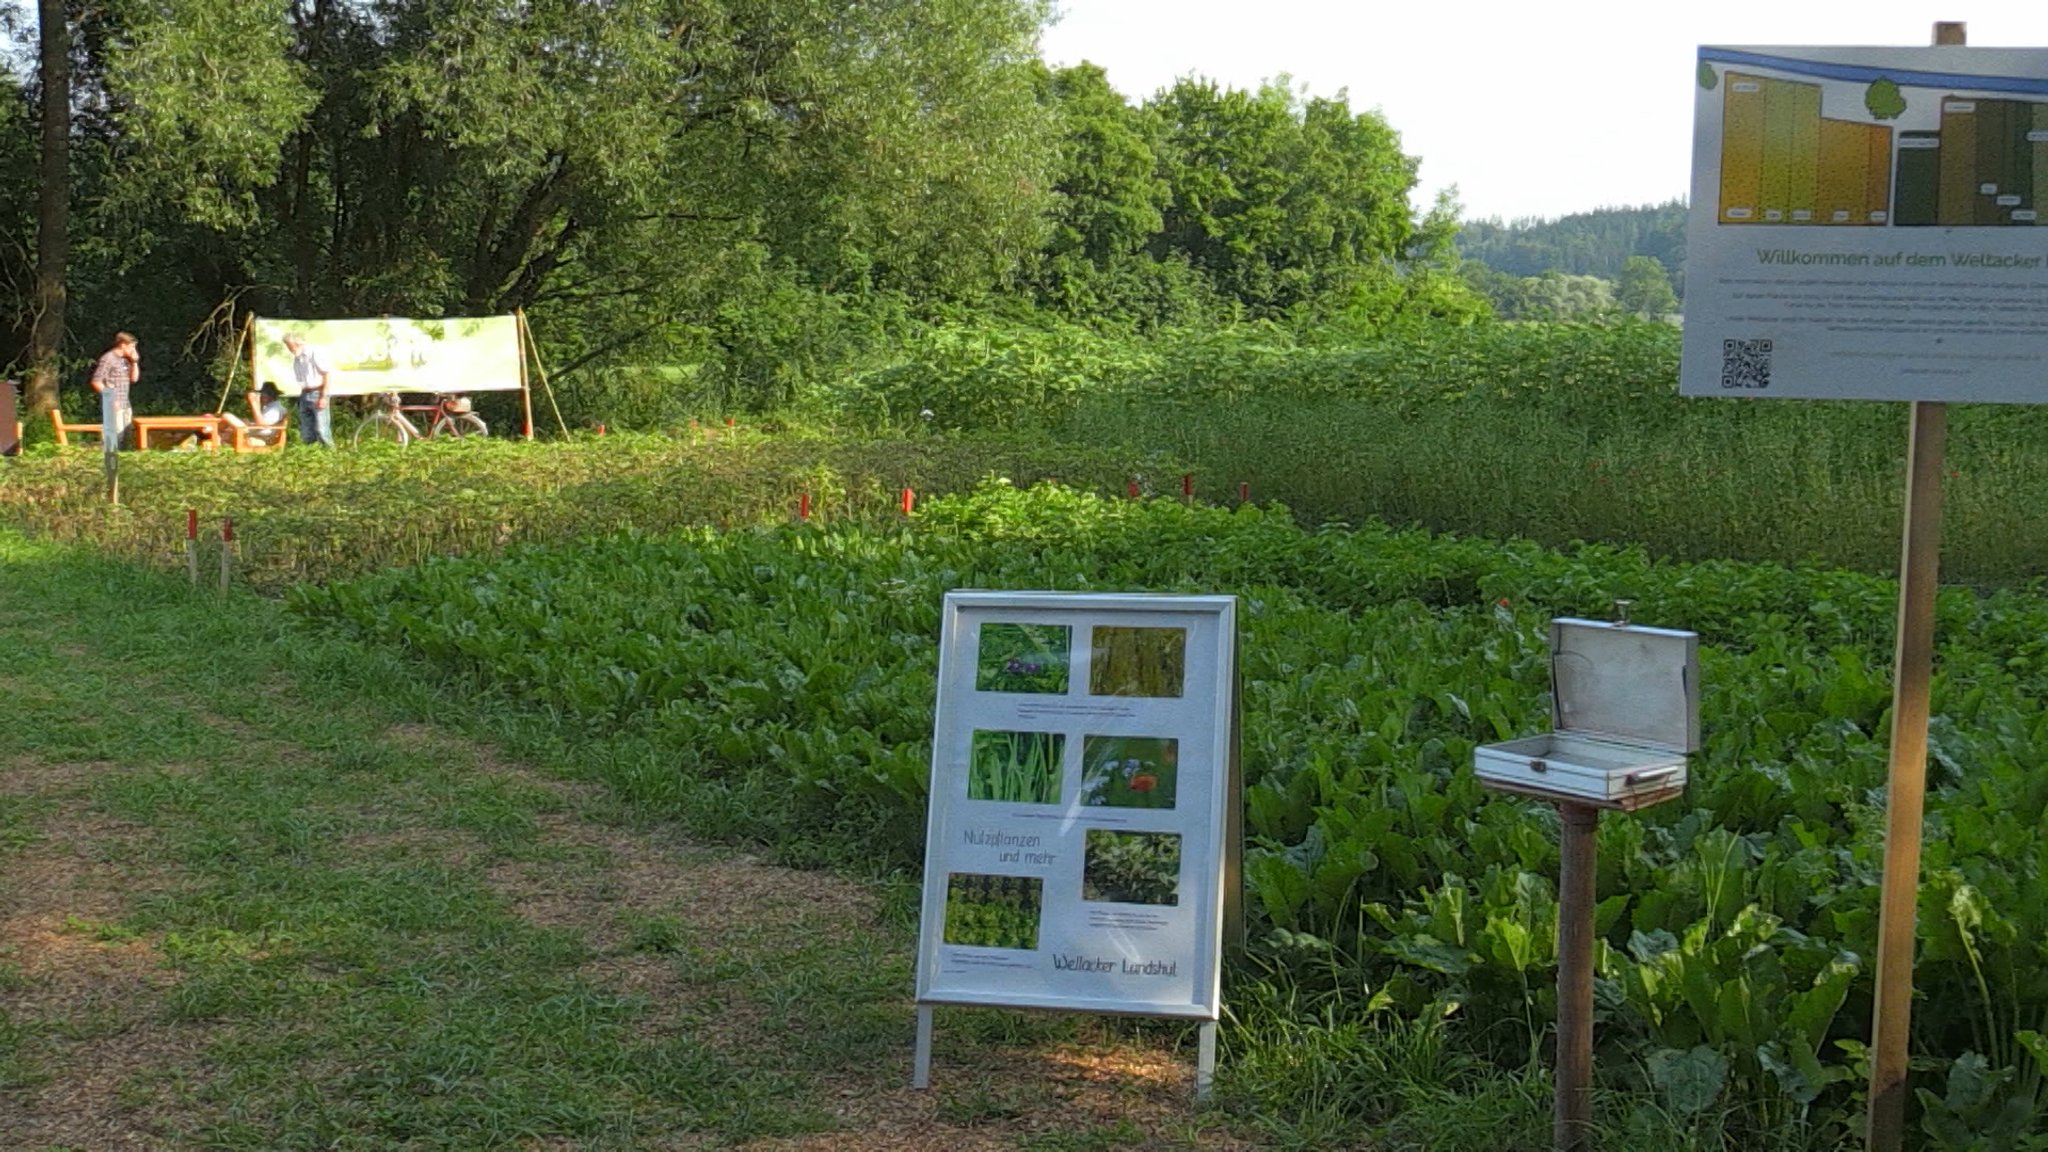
<point x="207" y="426"/>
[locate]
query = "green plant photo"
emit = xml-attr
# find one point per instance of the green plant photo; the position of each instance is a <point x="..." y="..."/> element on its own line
<point x="984" y="911"/>
<point x="1023" y="658"/>
<point x="1132" y="867"/>
<point x="1016" y="767"/>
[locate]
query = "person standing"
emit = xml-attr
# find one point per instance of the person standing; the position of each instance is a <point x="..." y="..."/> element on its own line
<point x="118" y="368"/>
<point x="315" y="377"/>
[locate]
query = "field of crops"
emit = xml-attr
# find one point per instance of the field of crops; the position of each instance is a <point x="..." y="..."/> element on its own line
<point x="776" y="685"/>
<point x="1555" y="433"/>
<point x="307" y="515"/>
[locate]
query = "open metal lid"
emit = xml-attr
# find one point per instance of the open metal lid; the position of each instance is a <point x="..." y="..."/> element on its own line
<point x="1625" y="682"/>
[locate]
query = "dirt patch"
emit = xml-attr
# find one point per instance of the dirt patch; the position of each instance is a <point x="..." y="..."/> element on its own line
<point x="998" y="1101"/>
<point x="28" y="776"/>
<point x="97" y="1052"/>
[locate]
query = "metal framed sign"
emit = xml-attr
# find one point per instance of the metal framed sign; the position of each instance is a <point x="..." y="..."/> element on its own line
<point x="1077" y="844"/>
<point x="1868" y="223"/>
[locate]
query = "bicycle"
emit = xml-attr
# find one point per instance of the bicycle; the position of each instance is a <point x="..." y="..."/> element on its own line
<point x="387" y="424"/>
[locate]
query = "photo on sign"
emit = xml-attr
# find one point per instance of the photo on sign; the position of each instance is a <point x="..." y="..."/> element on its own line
<point x="1015" y="767"/>
<point x="1129" y="771"/>
<point x="1132" y="867"/>
<point x="1023" y="658"/>
<point x="984" y="911"/>
<point x="1138" y="662"/>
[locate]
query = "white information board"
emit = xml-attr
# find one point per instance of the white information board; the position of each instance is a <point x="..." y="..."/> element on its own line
<point x="1075" y="852"/>
<point x="1869" y="223"/>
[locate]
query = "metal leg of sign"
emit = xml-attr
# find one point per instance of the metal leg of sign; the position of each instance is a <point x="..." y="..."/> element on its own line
<point x="921" y="1064"/>
<point x="1205" y="1060"/>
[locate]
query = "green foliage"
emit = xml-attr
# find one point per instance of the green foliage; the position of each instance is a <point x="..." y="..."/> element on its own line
<point x="1015" y="767"/>
<point x="1131" y="867"/>
<point x="207" y="90"/>
<point x="993" y="911"/>
<point x="1382" y="877"/>
<point x="1708" y="78"/>
<point x="1645" y="288"/>
<point x="1596" y="243"/>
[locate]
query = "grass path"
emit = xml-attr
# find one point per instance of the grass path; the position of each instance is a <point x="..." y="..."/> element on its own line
<point x="254" y="895"/>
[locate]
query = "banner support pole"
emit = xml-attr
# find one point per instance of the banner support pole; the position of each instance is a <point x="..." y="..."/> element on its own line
<point x="525" y="378"/>
<point x="542" y="368"/>
<point x="247" y="336"/>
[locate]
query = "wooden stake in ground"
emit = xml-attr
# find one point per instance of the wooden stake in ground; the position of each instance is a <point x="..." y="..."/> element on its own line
<point x="526" y="336"/>
<point x="1906" y="786"/>
<point x="1573" y="1117"/>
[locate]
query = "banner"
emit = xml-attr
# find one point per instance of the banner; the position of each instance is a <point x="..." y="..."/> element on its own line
<point x="394" y="354"/>
<point x="1081" y="777"/>
<point x="1867" y="223"/>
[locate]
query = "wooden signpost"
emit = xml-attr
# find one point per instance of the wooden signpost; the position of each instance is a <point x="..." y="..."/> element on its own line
<point x="1850" y="319"/>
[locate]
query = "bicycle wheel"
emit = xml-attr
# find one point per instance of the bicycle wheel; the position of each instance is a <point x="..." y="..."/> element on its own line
<point x="381" y="428"/>
<point x="463" y="424"/>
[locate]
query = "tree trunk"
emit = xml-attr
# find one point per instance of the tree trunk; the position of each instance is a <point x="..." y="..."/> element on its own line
<point x="53" y="208"/>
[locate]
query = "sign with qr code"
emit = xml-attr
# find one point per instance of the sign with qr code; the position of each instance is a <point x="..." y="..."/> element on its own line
<point x="1869" y="223"/>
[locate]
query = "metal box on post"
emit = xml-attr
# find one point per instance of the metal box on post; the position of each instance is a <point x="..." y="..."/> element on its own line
<point x="1625" y="712"/>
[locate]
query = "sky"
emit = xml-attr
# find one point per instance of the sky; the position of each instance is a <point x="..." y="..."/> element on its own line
<point x="1536" y="108"/>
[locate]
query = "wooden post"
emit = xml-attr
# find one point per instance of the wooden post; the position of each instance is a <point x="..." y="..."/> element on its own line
<point x="110" y="452"/>
<point x="1572" y="1129"/>
<point x="246" y="337"/>
<point x="1906" y="786"/>
<point x="1187" y="488"/>
<point x="525" y="379"/>
<point x="1244" y="492"/>
<point x="192" y="545"/>
<point x="227" y="551"/>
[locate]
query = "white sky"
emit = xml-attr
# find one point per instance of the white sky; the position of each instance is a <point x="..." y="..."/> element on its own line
<point x="1530" y="107"/>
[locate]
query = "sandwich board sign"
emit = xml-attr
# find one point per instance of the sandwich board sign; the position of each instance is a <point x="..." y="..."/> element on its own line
<point x="1866" y="225"/>
<point x="1082" y="830"/>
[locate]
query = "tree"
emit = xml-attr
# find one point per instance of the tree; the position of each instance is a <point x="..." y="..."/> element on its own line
<point x="1280" y="202"/>
<point x="179" y="101"/>
<point x="1883" y="99"/>
<point x="1645" y="288"/>
<point x="1560" y="296"/>
<point x="53" y="205"/>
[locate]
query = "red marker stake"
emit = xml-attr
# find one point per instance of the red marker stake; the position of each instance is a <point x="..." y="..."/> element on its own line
<point x="1131" y="489"/>
<point x="192" y="545"/>
<point x="1244" y="493"/>
<point x="803" y="506"/>
<point x="909" y="501"/>
<point x="227" y="551"/>
<point x="1187" y="487"/>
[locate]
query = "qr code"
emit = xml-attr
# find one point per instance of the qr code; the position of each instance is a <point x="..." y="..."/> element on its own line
<point x="1745" y="363"/>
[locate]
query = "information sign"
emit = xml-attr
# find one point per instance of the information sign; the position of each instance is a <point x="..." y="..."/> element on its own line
<point x="1081" y="779"/>
<point x="1868" y="223"/>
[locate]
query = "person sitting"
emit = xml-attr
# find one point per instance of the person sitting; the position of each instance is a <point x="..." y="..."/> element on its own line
<point x="266" y="430"/>
<point x="268" y="407"/>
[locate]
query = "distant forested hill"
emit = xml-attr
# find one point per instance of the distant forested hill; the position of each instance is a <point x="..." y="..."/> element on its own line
<point x="1595" y="243"/>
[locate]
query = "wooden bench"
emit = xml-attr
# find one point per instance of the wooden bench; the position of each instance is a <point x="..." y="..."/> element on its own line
<point x="64" y="430"/>
<point x="251" y="435"/>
